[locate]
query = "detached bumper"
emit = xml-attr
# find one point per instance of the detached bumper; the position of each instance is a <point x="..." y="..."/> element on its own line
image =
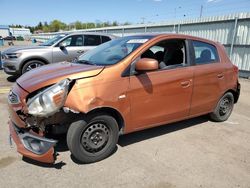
<point x="33" y="146"/>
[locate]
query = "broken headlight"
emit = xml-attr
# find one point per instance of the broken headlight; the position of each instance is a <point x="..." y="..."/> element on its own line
<point x="49" y="101"/>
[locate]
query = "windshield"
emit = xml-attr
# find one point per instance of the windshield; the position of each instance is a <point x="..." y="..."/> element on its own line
<point x="114" y="51"/>
<point x="52" y="41"/>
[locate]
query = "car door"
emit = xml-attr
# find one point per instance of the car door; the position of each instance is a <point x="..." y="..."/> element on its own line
<point x="73" y="47"/>
<point x="160" y="96"/>
<point x="209" y="78"/>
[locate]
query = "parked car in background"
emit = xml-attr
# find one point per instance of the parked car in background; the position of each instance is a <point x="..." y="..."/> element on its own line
<point x="10" y="38"/>
<point x="18" y="60"/>
<point x="125" y="85"/>
<point x="19" y="38"/>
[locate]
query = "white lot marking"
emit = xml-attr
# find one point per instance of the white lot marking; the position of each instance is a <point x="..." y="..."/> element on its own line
<point x="232" y="123"/>
<point x="4" y="90"/>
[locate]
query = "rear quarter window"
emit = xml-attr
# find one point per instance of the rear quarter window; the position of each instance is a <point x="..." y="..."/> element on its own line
<point x="205" y="53"/>
<point x="105" y="39"/>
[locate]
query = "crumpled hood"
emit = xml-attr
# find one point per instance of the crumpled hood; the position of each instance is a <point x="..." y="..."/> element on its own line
<point x="24" y="48"/>
<point x="52" y="73"/>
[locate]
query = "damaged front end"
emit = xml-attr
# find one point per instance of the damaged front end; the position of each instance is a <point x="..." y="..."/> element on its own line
<point x="31" y="122"/>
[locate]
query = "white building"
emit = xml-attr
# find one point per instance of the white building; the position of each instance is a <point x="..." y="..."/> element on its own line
<point x="4" y="30"/>
<point x="19" y="32"/>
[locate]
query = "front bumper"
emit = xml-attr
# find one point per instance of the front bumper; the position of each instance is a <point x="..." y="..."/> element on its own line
<point x="33" y="146"/>
<point x="28" y="143"/>
<point x="11" y="66"/>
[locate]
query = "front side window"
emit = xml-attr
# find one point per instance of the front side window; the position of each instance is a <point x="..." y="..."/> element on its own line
<point x="67" y="41"/>
<point x="169" y="53"/>
<point x="205" y="53"/>
<point x="113" y="51"/>
<point x="74" y="40"/>
<point x="52" y="41"/>
<point x="92" y="40"/>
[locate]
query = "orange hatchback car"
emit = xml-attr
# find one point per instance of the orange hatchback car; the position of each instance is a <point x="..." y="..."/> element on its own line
<point x="125" y="85"/>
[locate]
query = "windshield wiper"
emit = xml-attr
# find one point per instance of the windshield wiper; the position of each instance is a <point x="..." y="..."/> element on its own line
<point x="85" y="62"/>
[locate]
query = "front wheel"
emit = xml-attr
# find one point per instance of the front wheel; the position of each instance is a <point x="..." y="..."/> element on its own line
<point x="30" y="65"/>
<point x="224" y="108"/>
<point x="94" y="140"/>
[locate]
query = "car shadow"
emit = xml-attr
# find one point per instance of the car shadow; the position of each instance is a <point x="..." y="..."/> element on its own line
<point x="139" y="136"/>
<point x="12" y="78"/>
<point x="124" y="140"/>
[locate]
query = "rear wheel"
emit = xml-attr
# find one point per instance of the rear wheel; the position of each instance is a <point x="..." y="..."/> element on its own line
<point x="30" y="65"/>
<point x="224" y="108"/>
<point x="93" y="140"/>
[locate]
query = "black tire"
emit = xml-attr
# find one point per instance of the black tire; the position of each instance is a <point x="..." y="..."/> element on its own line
<point x="32" y="65"/>
<point x="94" y="140"/>
<point x="224" y="108"/>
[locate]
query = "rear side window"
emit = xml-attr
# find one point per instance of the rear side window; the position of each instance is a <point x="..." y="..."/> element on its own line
<point x="205" y="53"/>
<point x="105" y="39"/>
<point x="92" y="40"/>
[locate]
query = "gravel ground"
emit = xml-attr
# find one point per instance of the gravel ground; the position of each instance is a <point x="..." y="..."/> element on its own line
<point x="16" y="43"/>
<point x="192" y="153"/>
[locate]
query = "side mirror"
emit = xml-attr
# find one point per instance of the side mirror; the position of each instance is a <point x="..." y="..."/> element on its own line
<point x="61" y="46"/>
<point x="146" y="64"/>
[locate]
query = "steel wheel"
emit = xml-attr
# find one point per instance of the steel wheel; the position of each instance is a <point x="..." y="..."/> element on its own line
<point x="224" y="108"/>
<point x="95" y="137"/>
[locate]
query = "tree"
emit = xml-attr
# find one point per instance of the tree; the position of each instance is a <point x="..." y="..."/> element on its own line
<point x="78" y="25"/>
<point x="40" y="26"/>
<point x="126" y="23"/>
<point x="115" y="23"/>
<point x="57" y="25"/>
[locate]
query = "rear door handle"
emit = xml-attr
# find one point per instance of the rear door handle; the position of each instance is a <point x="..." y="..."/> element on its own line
<point x="80" y="51"/>
<point x="185" y="84"/>
<point x="221" y="75"/>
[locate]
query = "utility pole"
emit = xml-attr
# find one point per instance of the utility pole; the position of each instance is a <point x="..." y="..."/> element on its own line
<point x="201" y="11"/>
<point x="143" y="19"/>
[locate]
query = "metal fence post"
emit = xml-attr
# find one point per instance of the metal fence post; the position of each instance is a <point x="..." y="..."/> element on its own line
<point x="174" y="28"/>
<point x="123" y="32"/>
<point x="179" y="27"/>
<point x="234" y="35"/>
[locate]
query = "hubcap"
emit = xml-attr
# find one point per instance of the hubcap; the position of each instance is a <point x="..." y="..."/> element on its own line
<point x="33" y="66"/>
<point x="225" y="106"/>
<point x="95" y="137"/>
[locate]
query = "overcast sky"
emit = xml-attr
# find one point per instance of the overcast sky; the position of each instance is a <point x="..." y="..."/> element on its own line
<point x="30" y="12"/>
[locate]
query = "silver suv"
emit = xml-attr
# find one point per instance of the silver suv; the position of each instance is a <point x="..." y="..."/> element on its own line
<point x="67" y="47"/>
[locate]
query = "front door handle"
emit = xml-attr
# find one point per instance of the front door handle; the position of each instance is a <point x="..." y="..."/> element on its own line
<point x="185" y="84"/>
<point x="80" y="51"/>
<point x="220" y="76"/>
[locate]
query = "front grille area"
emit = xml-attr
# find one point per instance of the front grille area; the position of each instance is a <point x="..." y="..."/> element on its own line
<point x="13" y="98"/>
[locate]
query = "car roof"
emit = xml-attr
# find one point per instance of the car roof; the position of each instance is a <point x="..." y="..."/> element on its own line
<point x="176" y="35"/>
<point x="91" y="33"/>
